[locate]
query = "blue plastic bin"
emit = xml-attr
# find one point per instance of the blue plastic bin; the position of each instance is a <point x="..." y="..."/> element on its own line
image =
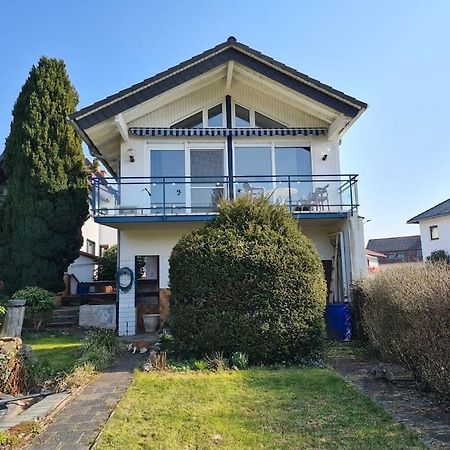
<point x="339" y="321"/>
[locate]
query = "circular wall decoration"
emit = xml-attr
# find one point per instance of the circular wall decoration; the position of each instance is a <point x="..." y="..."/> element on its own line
<point x="124" y="279"/>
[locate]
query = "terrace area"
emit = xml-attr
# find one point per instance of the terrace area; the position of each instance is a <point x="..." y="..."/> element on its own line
<point x="153" y="199"/>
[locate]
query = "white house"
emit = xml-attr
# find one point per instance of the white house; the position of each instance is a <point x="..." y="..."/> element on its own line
<point x="434" y="224"/>
<point x="228" y="122"/>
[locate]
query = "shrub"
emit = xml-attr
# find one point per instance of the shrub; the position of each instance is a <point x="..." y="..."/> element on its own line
<point x="100" y="349"/>
<point x="38" y="306"/>
<point x="248" y="280"/>
<point x="439" y="256"/>
<point x="107" y="264"/>
<point x="239" y="360"/>
<point x="406" y="316"/>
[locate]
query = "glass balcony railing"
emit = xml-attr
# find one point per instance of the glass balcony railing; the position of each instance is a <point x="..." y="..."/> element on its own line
<point x="186" y="196"/>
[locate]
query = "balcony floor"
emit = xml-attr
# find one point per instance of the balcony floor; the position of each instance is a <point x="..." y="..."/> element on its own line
<point x="116" y="219"/>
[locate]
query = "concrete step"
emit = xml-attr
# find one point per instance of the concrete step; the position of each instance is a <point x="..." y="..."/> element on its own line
<point x="64" y="316"/>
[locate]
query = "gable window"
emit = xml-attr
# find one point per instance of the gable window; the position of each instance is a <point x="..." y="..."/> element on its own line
<point x="262" y="121"/>
<point x="246" y="117"/>
<point x="215" y="116"/>
<point x="194" y="121"/>
<point x="242" y="116"/>
<point x="434" y="232"/>
<point x="207" y="117"/>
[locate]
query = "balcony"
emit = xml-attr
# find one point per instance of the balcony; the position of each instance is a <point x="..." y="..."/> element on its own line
<point x="196" y="198"/>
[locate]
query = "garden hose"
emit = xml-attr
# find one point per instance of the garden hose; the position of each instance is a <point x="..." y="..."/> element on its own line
<point x="124" y="271"/>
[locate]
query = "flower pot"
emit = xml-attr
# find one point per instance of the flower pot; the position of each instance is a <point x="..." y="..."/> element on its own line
<point x="151" y="322"/>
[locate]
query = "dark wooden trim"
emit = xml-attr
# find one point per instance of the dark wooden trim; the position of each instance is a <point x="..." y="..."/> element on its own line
<point x="229" y="124"/>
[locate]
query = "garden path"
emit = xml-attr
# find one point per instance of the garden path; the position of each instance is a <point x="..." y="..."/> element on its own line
<point x="422" y="412"/>
<point x="77" y="426"/>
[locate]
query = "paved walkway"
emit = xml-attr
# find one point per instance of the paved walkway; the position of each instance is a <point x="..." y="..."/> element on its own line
<point x="77" y="426"/>
<point x="422" y="412"/>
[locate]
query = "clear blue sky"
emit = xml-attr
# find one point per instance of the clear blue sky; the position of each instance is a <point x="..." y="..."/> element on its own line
<point x="395" y="55"/>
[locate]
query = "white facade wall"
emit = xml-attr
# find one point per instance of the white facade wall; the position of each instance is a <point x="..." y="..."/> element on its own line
<point x="149" y="239"/>
<point x="443" y="243"/>
<point x="158" y="239"/>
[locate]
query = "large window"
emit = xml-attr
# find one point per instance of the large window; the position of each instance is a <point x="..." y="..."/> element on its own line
<point x="256" y="167"/>
<point x="253" y="166"/>
<point x="293" y="161"/>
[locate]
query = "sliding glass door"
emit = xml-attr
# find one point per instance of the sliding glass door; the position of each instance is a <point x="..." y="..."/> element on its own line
<point x="207" y="179"/>
<point x="168" y="187"/>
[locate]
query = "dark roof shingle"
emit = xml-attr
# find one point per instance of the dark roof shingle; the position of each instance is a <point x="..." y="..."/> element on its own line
<point x="231" y="50"/>
<point x="395" y="244"/>
<point x="442" y="209"/>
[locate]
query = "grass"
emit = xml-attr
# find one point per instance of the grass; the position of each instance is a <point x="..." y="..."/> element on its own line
<point x="304" y="408"/>
<point x="58" y="352"/>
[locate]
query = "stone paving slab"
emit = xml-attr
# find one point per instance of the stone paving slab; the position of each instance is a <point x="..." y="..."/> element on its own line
<point x="423" y="413"/>
<point x="77" y="426"/>
<point x="37" y="411"/>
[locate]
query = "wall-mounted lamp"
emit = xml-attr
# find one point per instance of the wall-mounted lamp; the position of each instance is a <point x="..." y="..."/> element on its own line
<point x="130" y="152"/>
<point x="325" y="155"/>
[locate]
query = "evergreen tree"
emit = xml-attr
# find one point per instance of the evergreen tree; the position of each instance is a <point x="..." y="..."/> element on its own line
<point x="47" y="201"/>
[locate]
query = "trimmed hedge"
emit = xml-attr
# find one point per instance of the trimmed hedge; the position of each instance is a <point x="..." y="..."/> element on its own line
<point x="405" y="315"/>
<point x="249" y="281"/>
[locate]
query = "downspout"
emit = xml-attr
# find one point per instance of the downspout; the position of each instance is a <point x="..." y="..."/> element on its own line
<point x="229" y="125"/>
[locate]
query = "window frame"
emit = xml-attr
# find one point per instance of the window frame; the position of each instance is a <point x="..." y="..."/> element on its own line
<point x="91" y="243"/>
<point x="205" y="119"/>
<point x="252" y="112"/>
<point x="433" y="228"/>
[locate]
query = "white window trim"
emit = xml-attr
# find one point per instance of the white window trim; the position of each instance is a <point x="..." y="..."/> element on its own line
<point x="187" y="146"/>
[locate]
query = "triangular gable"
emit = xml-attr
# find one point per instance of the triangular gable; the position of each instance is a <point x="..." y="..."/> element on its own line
<point x="228" y="51"/>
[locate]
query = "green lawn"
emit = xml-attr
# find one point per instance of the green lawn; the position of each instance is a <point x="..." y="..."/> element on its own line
<point x="273" y="409"/>
<point x="59" y="352"/>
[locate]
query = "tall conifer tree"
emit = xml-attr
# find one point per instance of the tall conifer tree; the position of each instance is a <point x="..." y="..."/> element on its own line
<point x="47" y="201"/>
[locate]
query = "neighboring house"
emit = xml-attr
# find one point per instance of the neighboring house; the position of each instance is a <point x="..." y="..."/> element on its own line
<point x="96" y="237"/>
<point x="228" y="122"/>
<point x="434" y="224"/>
<point x="373" y="260"/>
<point x="397" y="249"/>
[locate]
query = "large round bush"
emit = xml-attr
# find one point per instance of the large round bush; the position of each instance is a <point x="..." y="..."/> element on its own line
<point x="249" y="281"/>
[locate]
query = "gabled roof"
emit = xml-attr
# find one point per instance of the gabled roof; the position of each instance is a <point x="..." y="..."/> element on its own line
<point x="395" y="244"/>
<point x="231" y="50"/>
<point x="442" y="209"/>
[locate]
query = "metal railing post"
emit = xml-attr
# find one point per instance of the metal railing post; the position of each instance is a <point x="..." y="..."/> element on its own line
<point x="94" y="197"/>
<point x="289" y="193"/>
<point x="351" y="194"/>
<point x="356" y="191"/>
<point x="164" y="197"/>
